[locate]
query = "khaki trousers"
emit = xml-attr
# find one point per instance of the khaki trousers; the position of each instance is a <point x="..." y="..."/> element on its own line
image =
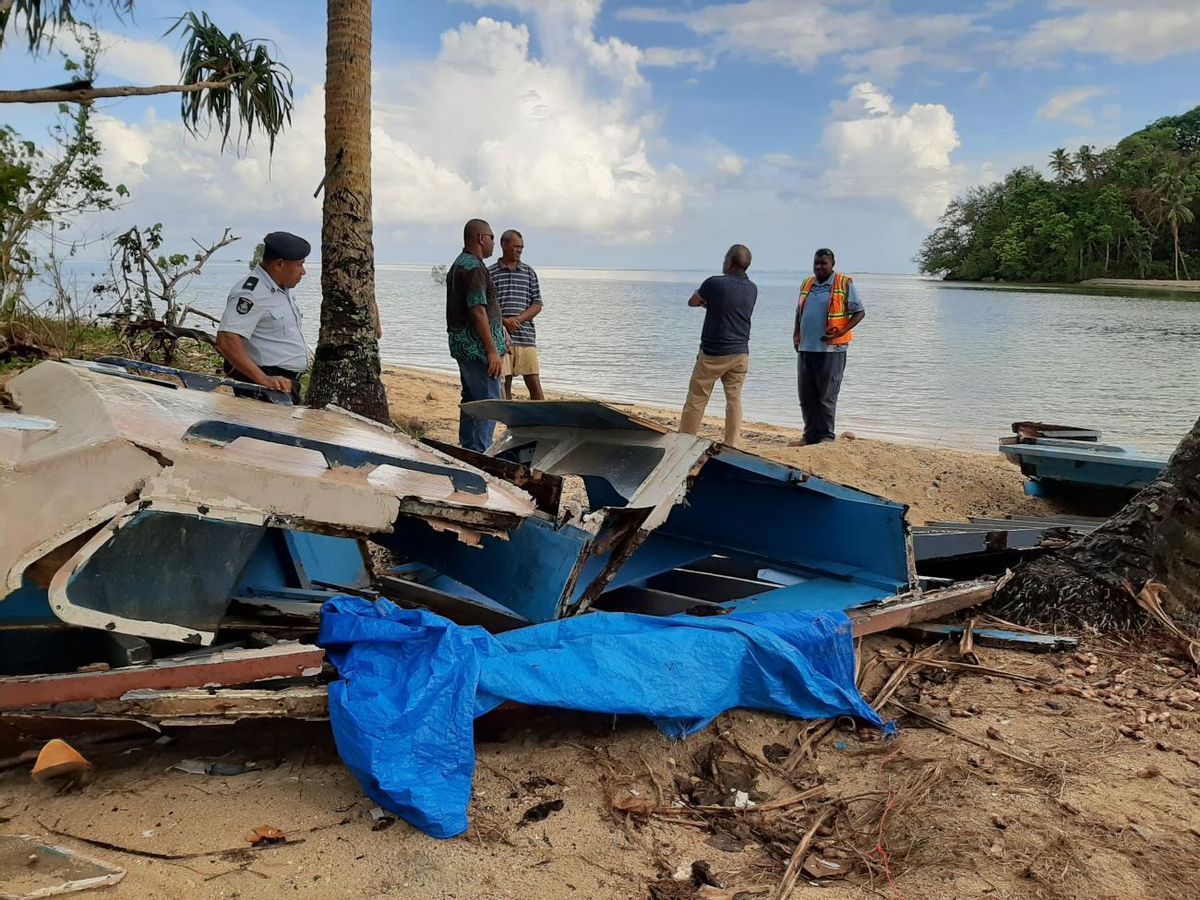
<point x="732" y="371"/>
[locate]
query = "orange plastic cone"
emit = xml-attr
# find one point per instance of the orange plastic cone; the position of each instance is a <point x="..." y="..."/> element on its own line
<point x="58" y="759"/>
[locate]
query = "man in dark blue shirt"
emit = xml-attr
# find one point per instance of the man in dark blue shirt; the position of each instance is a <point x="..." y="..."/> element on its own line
<point x="728" y="302"/>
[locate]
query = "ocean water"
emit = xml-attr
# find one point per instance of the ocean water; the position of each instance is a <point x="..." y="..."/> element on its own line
<point x="932" y="363"/>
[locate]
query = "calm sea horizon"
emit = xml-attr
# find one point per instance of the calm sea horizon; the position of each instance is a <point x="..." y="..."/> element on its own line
<point x="934" y="363"/>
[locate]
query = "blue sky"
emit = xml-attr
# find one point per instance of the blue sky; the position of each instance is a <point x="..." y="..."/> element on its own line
<point x="652" y="135"/>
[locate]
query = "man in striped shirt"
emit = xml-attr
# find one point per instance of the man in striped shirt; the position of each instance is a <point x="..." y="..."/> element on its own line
<point x="520" y="300"/>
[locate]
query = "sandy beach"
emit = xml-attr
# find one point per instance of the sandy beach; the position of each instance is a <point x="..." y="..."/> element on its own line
<point x="937" y="484"/>
<point x="1058" y="775"/>
<point x="1142" y="284"/>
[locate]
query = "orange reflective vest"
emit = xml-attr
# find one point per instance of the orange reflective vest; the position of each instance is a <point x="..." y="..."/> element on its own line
<point x="839" y="313"/>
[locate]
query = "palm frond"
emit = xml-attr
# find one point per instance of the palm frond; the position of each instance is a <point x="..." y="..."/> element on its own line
<point x="250" y="90"/>
<point x="40" y="20"/>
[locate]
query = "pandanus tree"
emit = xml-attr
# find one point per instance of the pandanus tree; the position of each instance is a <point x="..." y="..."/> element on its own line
<point x="346" y="369"/>
<point x="227" y="82"/>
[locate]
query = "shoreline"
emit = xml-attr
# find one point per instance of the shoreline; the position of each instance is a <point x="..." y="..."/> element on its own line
<point x="1099" y="286"/>
<point x="936" y="483"/>
<point x="1155" y="285"/>
<point x="961" y="440"/>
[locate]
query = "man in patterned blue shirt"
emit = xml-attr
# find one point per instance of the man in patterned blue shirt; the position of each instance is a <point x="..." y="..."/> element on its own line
<point x="520" y="300"/>
<point x="475" y="330"/>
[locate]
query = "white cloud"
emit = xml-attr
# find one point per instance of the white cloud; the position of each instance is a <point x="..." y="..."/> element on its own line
<point x="482" y="129"/>
<point x="731" y="164"/>
<point x="880" y="151"/>
<point x="873" y="40"/>
<point x="139" y="62"/>
<point x="673" y="57"/>
<point x="1129" y="33"/>
<point x="567" y="31"/>
<point x="1069" y="106"/>
<point x="860" y="35"/>
<point x="126" y="59"/>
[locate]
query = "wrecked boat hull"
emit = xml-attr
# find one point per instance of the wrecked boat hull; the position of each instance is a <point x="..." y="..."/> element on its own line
<point x="1060" y="459"/>
<point x="141" y="503"/>
<point x="656" y="503"/>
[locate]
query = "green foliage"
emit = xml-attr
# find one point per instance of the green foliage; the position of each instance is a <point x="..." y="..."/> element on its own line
<point x="146" y="282"/>
<point x="226" y="81"/>
<point x="41" y="21"/>
<point x="62" y="334"/>
<point x="1184" y="130"/>
<point x="255" y="92"/>
<point x="1127" y="211"/>
<point x="42" y="191"/>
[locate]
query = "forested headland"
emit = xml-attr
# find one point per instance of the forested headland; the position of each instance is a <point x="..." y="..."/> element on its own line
<point x="1128" y="211"/>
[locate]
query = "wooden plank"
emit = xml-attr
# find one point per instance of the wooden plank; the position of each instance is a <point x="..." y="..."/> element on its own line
<point x="1035" y="642"/>
<point x="228" y="667"/>
<point x="930" y="605"/>
<point x="302" y="702"/>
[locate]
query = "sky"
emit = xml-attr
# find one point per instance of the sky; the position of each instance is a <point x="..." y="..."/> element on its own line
<point x="646" y="134"/>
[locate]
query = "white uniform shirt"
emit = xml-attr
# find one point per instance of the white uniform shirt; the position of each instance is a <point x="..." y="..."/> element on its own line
<point x="267" y="317"/>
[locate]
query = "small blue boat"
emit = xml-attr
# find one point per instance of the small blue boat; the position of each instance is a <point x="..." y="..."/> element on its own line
<point x="1059" y="459"/>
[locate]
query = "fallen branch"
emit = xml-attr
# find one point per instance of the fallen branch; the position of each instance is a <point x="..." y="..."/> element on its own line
<point x="968" y="667"/>
<point x="157" y="328"/>
<point x="151" y="854"/>
<point x="755" y="758"/>
<point x="769" y="806"/>
<point x="688" y="822"/>
<point x="901" y="672"/>
<point x="817" y="732"/>
<point x="942" y="726"/>
<point x="189" y="310"/>
<point x="87" y="95"/>
<point x="792" y="873"/>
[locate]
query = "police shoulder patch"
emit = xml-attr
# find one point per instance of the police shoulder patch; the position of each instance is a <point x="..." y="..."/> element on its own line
<point x="250" y="283"/>
<point x="244" y="305"/>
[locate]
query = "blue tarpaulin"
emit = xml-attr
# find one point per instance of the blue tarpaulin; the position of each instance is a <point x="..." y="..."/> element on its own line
<point x="412" y="684"/>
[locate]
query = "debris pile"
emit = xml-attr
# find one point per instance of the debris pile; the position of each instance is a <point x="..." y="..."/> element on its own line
<point x="190" y="555"/>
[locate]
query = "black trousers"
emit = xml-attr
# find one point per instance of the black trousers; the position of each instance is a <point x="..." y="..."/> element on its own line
<point x="819" y="376"/>
<point x="231" y="372"/>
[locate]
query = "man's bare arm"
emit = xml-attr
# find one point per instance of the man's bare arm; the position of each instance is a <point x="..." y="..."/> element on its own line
<point x="483" y="328"/>
<point x="233" y="348"/>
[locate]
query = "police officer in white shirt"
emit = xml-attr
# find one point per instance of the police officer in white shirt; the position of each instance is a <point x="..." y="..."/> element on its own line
<point x="260" y="333"/>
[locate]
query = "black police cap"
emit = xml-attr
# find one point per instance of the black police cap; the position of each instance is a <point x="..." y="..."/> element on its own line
<point x="282" y="245"/>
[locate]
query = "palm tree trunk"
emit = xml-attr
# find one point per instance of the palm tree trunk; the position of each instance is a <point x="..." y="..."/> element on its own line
<point x="346" y="365"/>
<point x="1156" y="536"/>
<point x="1175" y="236"/>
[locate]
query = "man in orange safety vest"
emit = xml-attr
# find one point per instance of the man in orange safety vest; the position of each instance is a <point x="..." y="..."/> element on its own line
<point x="826" y="313"/>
